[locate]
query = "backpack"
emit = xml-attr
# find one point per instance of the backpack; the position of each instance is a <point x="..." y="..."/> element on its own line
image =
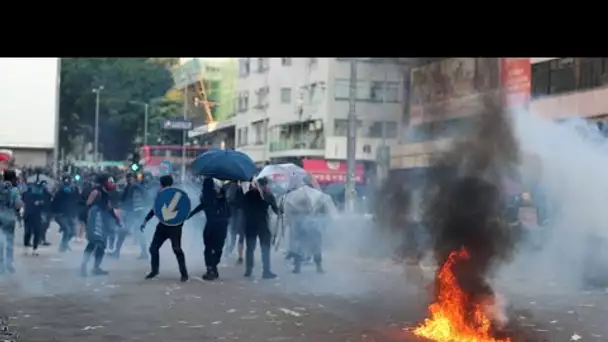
<point x="6" y="197"/>
<point x="7" y="204"/>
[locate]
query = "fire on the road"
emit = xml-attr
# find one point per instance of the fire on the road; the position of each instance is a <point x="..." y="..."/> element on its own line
<point x="454" y="317"/>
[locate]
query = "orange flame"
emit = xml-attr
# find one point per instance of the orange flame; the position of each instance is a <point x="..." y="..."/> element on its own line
<point x="450" y="320"/>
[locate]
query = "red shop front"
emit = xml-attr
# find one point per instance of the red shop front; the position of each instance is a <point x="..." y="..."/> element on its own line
<point x="327" y="171"/>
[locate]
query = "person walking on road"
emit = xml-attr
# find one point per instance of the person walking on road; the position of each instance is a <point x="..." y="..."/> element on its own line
<point x="10" y="201"/>
<point x="217" y="211"/>
<point x="65" y="208"/>
<point x="99" y="224"/>
<point x="34" y="205"/>
<point x="133" y="199"/>
<point x="255" y="209"/>
<point x="161" y="234"/>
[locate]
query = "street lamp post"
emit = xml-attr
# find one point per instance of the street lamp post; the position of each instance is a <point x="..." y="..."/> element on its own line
<point x="146" y="114"/>
<point x="97" y="92"/>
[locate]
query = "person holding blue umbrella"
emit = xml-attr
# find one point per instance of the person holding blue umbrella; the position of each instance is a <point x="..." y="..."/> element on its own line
<point x="214" y="203"/>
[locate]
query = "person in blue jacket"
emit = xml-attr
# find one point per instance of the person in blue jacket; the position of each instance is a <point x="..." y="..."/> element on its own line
<point x="99" y="224"/>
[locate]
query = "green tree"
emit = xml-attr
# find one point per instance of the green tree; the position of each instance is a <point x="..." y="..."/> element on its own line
<point x="124" y="81"/>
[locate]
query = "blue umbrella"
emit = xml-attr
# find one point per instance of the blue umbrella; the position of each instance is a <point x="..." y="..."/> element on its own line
<point x="225" y="165"/>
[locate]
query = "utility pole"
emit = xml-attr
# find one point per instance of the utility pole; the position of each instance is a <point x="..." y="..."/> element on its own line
<point x="351" y="139"/>
<point x="57" y="121"/>
<point x="146" y="108"/>
<point x="184" y="134"/>
<point x="97" y="92"/>
<point x="146" y="111"/>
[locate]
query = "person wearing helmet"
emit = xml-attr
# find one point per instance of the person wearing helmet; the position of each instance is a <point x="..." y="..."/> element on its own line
<point x="65" y="207"/>
<point x="133" y="201"/>
<point x="162" y="234"/>
<point x="35" y="204"/>
<point x="10" y="200"/>
<point x="98" y="223"/>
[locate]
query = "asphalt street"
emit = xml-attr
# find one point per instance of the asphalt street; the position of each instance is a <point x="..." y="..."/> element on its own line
<point x="357" y="299"/>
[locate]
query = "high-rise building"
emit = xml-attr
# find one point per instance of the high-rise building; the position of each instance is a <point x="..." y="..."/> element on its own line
<point x="295" y="110"/>
<point x="446" y="92"/>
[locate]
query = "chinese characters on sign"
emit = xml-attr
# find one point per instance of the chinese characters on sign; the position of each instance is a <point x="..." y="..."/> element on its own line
<point x="516" y="79"/>
<point x="335" y="177"/>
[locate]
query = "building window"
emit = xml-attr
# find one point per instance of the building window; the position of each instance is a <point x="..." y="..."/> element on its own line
<point x="568" y="74"/>
<point x="540" y="79"/>
<point x="258" y="128"/>
<point x="285" y="95"/>
<point x="341" y="127"/>
<point x="242" y="138"/>
<point x="376" y="91"/>
<point x="262" y="97"/>
<point x="243" y="101"/>
<point x="375" y="130"/>
<point x="562" y="77"/>
<point x="384" y="91"/>
<point x="341" y="89"/>
<point x="263" y="64"/>
<point x="392" y="129"/>
<point x="244" y="64"/>
<point x="589" y="72"/>
<point x="286" y="61"/>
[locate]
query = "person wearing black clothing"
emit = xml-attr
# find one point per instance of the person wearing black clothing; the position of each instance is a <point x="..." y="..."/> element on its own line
<point x="161" y="234"/>
<point x="216" y="209"/>
<point x="255" y="209"/>
<point x="98" y="223"/>
<point x="34" y="205"/>
<point x="65" y="207"/>
<point x="46" y="215"/>
<point x="132" y="200"/>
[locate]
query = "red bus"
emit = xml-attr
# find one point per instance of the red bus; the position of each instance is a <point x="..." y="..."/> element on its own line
<point x="153" y="155"/>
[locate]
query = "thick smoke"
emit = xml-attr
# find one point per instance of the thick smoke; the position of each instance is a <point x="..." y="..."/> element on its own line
<point x="466" y="204"/>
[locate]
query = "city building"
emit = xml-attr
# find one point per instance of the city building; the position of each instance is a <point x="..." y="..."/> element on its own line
<point x="445" y="93"/>
<point x="295" y="110"/>
<point x="210" y="85"/>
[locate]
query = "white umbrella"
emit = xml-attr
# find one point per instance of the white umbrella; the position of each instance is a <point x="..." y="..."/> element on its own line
<point x="307" y="200"/>
<point x="284" y="176"/>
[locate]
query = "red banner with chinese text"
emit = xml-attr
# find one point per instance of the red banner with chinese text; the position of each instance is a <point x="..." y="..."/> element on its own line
<point x="516" y="81"/>
<point x="326" y="171"/>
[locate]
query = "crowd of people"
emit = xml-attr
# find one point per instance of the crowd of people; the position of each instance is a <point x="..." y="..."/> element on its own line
<point x="92" y="207"/>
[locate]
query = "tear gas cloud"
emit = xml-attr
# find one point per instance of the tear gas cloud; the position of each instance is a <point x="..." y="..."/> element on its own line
<point x="568" y="163"/>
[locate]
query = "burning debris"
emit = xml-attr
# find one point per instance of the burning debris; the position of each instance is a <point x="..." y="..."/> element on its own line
<point x="465" y="218"/>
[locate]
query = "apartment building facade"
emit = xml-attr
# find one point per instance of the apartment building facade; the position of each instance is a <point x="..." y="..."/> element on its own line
<point x="295" y="110"/>
<point x="554" y="88"/>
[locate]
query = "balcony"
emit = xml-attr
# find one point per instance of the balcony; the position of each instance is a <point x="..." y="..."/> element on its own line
<point x="304" y="138"/>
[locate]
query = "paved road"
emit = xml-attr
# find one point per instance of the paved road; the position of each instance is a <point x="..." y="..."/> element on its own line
<point x="356" y="300"/>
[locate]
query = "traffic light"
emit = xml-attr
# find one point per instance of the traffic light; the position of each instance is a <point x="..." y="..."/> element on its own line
<point x="77" y="177"/>
<point x="135" y="167"/>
